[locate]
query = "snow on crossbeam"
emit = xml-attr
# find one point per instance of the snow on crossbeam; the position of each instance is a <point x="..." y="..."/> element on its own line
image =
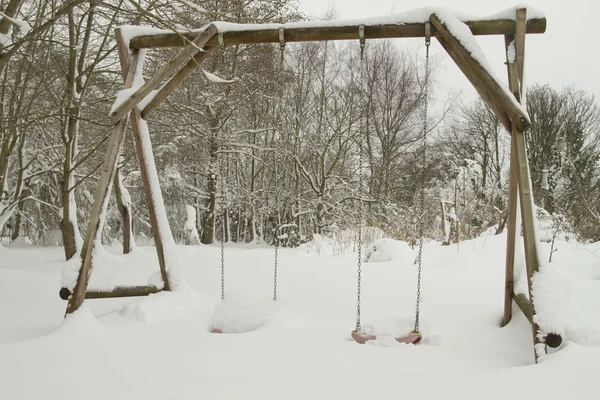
<point x="409" y="24"/>
<point x="405" y="25"/>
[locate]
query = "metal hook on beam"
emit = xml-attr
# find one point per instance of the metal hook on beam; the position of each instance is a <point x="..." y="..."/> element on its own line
<point x="427" y="37"/>
<point x="282" y="42"/>
<point x="361" y="37"/>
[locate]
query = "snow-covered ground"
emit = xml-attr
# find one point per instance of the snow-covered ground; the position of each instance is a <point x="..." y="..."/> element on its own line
<point x="299" y="347"/>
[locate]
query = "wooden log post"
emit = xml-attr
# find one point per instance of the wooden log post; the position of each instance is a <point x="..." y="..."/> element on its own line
<point x="512" y="212"/>
<point x="524" y="305"/>
<point x="159" y="230"/>
<point x="100" y="201"/>
<point x="515" y="73"/>
<point x="239" y="35"/>
<point x="143" y="146"/>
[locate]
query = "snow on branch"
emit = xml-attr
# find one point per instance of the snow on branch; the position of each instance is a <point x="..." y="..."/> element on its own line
<point x="216" y="79"/>
<point x="23" y="26"/>
<point x="193" y="6"/>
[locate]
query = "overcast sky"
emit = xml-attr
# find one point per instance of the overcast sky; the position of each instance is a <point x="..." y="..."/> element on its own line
<point x="565" y="55"/>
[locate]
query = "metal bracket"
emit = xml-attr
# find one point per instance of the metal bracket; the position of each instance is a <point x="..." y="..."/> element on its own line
<point x="282" y="42"/>
<point x="361" y="37"/>
<point x="282" y="37"/>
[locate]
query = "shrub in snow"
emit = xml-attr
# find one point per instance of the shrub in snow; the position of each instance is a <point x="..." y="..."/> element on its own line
<point x="551" y="226"/>
<point x="388" y="249"/>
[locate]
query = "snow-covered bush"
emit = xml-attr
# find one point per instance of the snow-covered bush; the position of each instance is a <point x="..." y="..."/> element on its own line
<point x="388" y="249"/>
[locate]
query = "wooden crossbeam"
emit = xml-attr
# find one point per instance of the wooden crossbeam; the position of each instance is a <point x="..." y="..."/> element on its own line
<point x="316" y="33"/>
<point x="488" y="88"/>
<point x="119" y="291"/>
<point x="165" y="72"/>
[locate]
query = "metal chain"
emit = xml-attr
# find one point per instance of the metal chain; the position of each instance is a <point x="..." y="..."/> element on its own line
<point x="222" y="49"/>
<point x="222" y="178"/>
<point x="275" y="268"/>
<point x="281" y="65"/>
<point x="223" y="227"/>
<point x="422" y="194"/>
<point x="360" y="187"/>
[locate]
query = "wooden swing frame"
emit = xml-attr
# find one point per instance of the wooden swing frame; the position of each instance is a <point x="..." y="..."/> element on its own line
<point x="197" y="46"/>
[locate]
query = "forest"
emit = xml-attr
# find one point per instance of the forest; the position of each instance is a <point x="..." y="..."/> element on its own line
<point x="308" y="134"/>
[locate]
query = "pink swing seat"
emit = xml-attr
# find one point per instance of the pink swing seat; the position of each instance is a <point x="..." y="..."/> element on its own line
<point x="411" y="338"/>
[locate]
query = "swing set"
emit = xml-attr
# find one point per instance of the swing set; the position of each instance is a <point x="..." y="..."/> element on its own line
<point x="456" y="38"/>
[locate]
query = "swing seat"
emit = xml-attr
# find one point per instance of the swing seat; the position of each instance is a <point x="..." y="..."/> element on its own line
<point x="411" y="338"/>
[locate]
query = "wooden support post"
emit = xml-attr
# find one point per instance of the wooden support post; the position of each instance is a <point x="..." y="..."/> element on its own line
<point x="239" y="35"/>
<point x="119" y="291"/>
<point x="505" y="108"/>
<point x="149" y="181"/>
<point x="525" y="190"/>
<point x="443" y="211"/>
<point x="189" y="51"/>
<point x="512" y="210"/>
<point x="100" y="202"/>
<point x="525" y="305"/>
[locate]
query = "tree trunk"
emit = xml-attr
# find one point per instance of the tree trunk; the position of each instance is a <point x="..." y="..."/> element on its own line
<point x="72" y="240"/>
<point x="124" y="206"/>
<point x="10" y="11"/>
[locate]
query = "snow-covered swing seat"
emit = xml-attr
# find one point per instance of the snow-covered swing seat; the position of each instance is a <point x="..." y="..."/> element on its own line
<point x="239" y="314"/>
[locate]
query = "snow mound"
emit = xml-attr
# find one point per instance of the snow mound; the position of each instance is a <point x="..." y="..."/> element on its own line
<point x="81" y="323"/>
<point x="386" y="249"/>
<point x="388" y="329"/>
<point x="551" y="291"/>
<point x="161" y="306"/>
<point x="19" y="242"/>
<point x="585" y="336"/>
<point x="100" y="278"/>
<point x="238" y="313"/>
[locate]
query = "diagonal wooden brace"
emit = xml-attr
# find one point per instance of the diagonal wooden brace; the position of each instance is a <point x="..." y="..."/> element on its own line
<point x="189" y="51"/>
<point x="176" y="81"/>
<point x="488" y="88"/>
